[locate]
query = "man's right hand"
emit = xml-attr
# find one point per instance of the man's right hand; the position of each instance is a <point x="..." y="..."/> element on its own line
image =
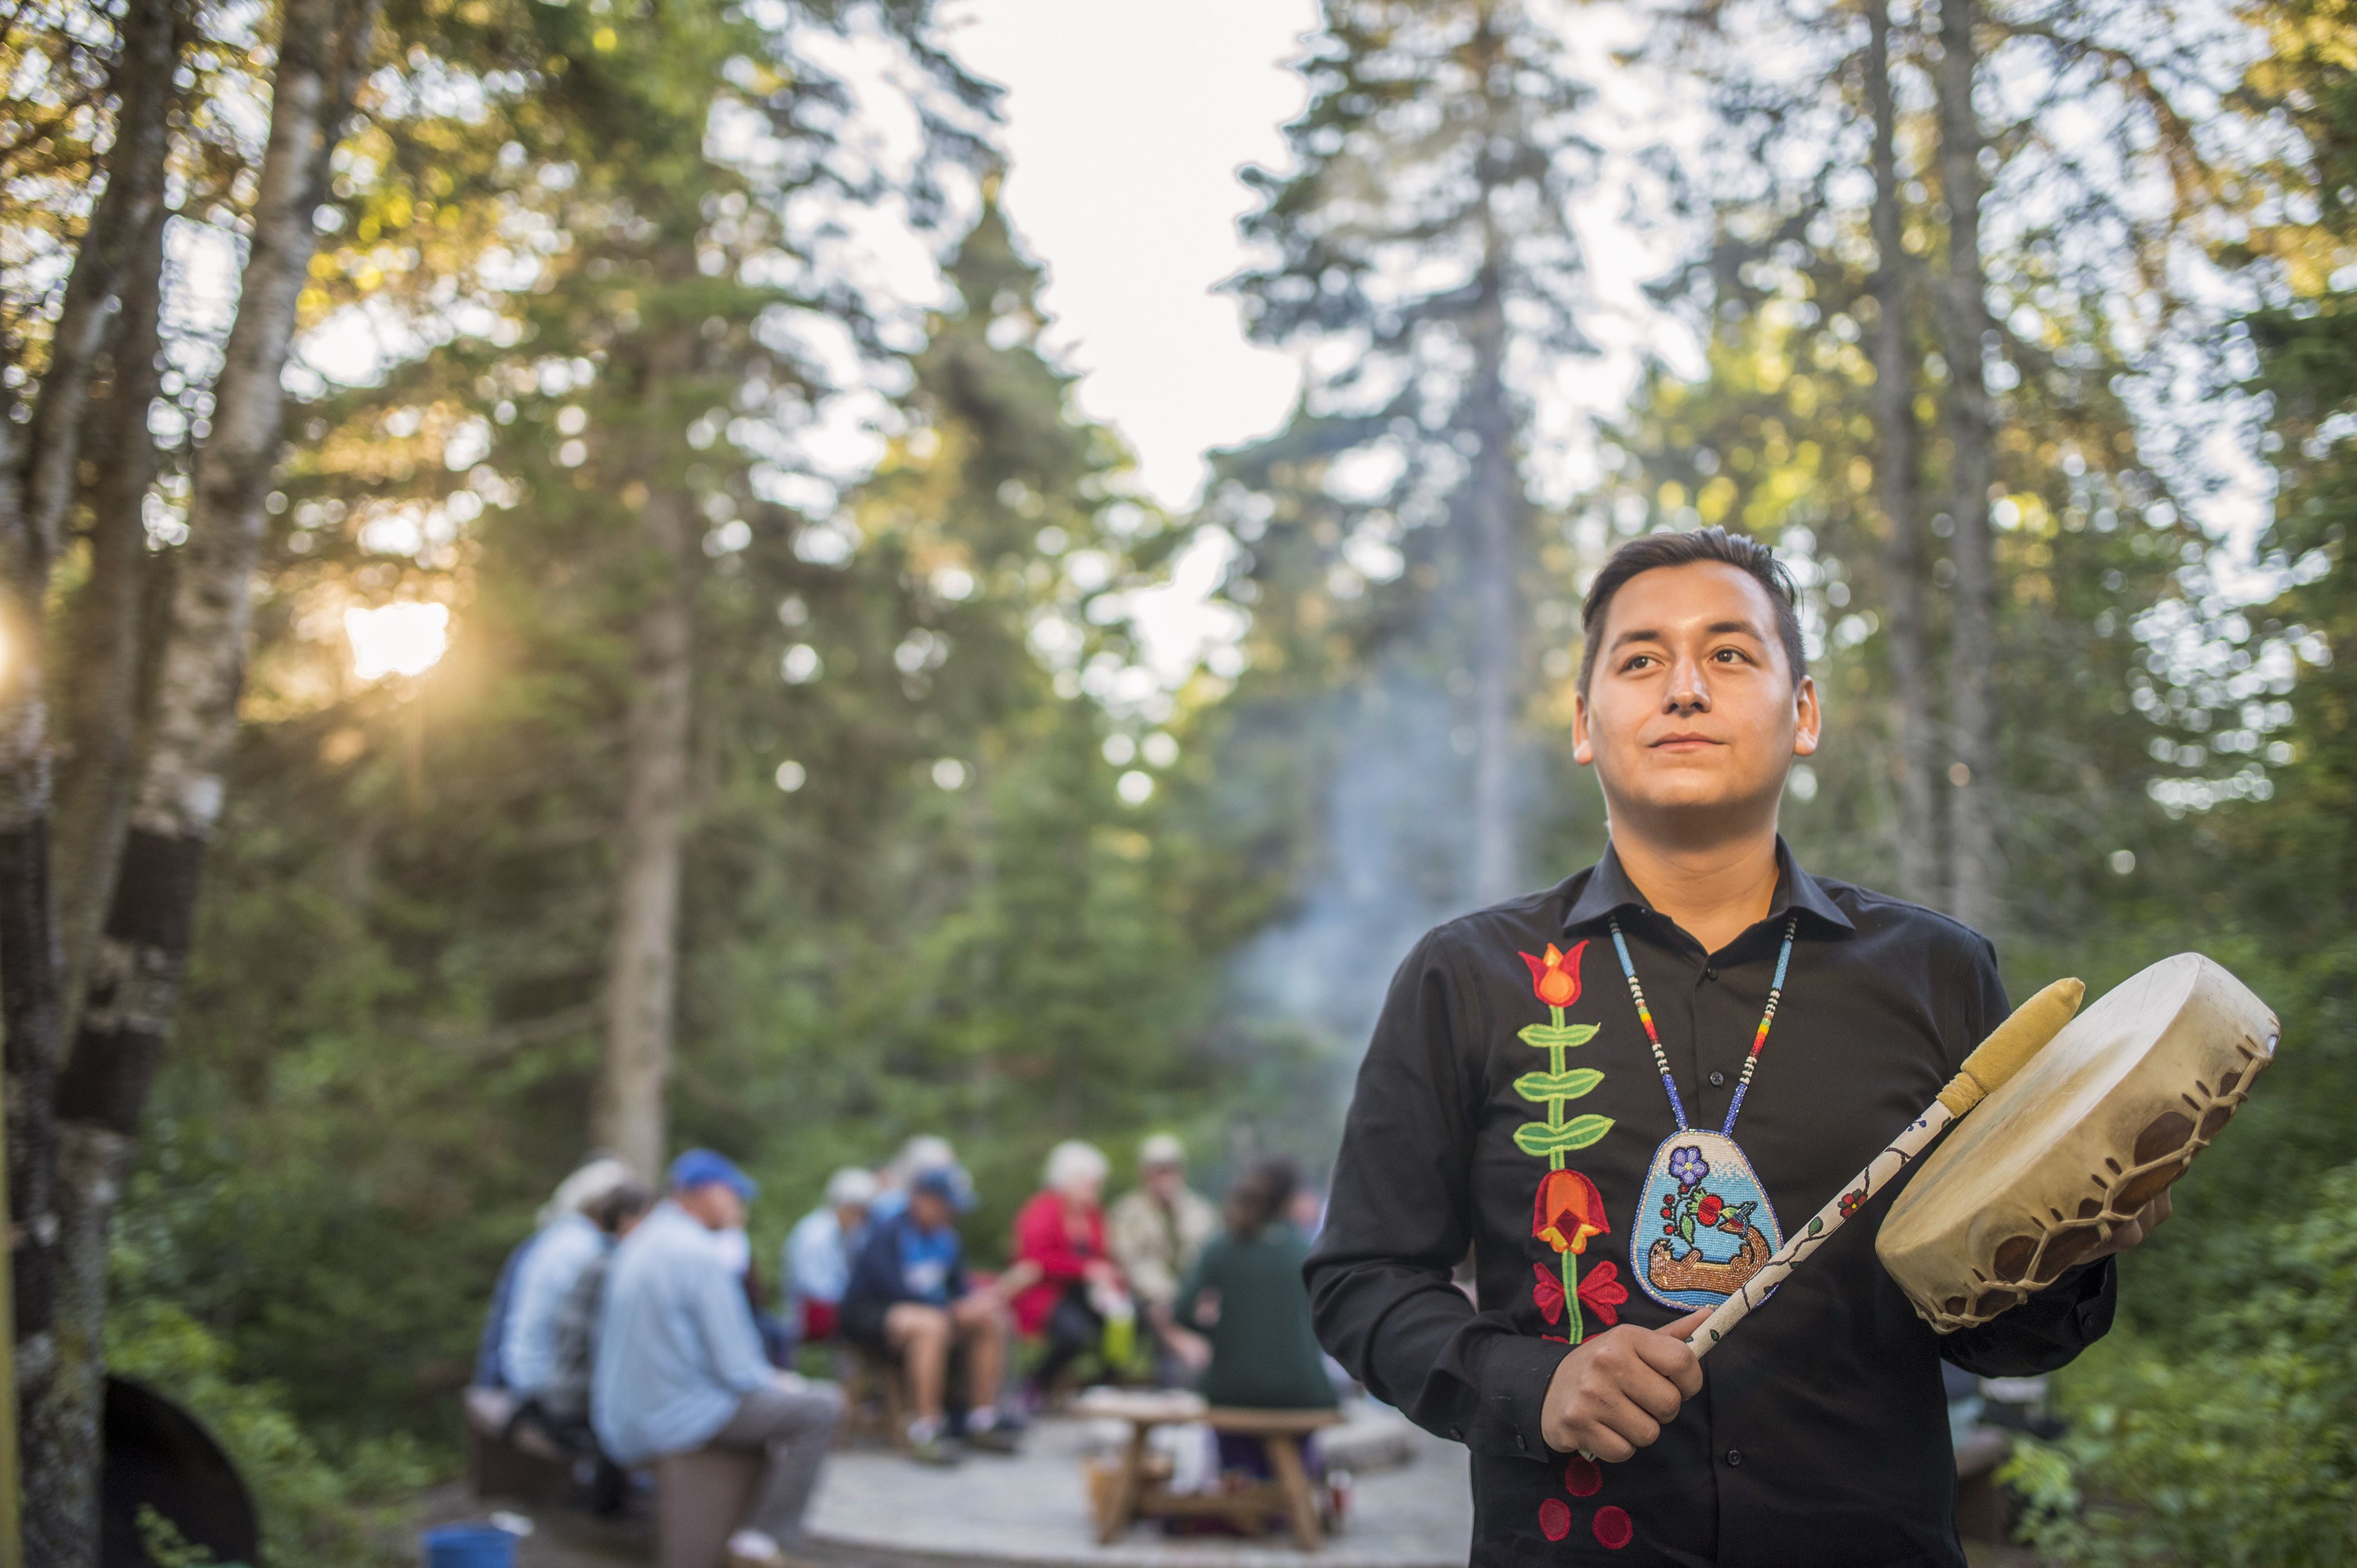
<point x="1614" y="1393"/>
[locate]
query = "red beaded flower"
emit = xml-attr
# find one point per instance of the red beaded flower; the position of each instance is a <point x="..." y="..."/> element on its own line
<point x="1556" y="976"/>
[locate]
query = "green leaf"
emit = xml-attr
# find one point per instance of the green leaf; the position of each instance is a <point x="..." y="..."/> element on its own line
<point x="1546" y="1086"/>
<point x="1538" y="1138"/>
<point x="1816" y="1224"/>
<point x="1546" y="1035"/>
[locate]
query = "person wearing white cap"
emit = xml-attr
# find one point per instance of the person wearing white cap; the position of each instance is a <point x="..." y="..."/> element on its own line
<point x="1156" y="1233"/>
<point x="519" y="1346"/>
<point x="819" y="1251"/>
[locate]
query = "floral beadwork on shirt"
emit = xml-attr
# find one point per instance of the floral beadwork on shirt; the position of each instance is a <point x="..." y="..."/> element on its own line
<point x="1568" y="1210"/>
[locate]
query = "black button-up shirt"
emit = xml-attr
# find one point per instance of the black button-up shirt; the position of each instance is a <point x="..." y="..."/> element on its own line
<point x="1820" y="1439"/>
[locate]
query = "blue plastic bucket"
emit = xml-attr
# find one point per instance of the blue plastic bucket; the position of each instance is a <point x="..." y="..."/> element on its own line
<point x="468" y="1546"/>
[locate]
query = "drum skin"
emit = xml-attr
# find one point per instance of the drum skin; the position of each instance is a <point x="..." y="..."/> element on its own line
<point x="2098" y="1125"/>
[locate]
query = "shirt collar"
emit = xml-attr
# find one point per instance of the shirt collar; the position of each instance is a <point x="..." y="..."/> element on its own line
<point x="1609" y="891"/>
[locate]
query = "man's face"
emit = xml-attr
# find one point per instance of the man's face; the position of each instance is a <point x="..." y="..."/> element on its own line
<point x="930" y="1209"/>
<point x="1691" y="708"/>
<point x="850" y="1216"/>
<point x="1164" y="1181"/>
<point x="715" y="1204"/>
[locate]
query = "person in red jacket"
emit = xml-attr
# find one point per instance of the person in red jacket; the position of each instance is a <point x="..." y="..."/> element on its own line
<point x="1072" y="1287"/>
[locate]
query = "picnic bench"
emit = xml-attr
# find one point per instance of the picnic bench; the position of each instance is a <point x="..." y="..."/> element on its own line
<point x="1138" y="1492"/>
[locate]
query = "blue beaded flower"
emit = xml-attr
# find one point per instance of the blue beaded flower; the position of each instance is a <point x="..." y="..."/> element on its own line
<point x="1687" y="1165"/>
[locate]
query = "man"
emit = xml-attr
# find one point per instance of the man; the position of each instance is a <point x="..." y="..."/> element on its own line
<point x="1654" y="1116"/>
<point x="908" y="1296"/>
<point x="925" y="1152"/>
<point x="679" y="1364"/>
<point x="820" y="1248"/>
<point x="1156" y="1233"/>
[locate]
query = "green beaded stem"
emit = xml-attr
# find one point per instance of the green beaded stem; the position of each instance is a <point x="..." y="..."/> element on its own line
<point x="1555" y="1137"/>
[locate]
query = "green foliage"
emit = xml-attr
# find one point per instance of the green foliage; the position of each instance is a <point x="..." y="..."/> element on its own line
<point x="314" y="1513"/>
<point x="2231" y="1440"/>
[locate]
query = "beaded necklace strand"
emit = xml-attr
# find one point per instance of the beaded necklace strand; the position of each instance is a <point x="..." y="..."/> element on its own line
<point x="1662" y="1061"/>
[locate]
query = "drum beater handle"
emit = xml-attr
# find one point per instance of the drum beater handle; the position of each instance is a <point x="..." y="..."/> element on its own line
<point x="1995" y="1059"/>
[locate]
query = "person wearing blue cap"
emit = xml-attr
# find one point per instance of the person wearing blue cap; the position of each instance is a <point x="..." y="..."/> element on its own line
<point x="679" y="1365"/>
<point x="909" y="1297"/>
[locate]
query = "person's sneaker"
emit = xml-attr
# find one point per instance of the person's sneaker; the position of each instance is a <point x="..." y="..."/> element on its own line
<point x="932" y="1449"/>
<point x="998" y="1439"/>
<point x="752" y="1549"/>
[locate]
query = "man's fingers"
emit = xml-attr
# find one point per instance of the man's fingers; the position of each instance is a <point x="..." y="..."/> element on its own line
<point x="1619" y="1415"/>
<point x="1666" y="1352"/>
<point x="1607" y="1444"/>
<point x="1652" y="1393"/>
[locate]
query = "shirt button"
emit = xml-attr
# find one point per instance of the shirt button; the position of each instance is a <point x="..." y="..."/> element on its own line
<point x="1735" y="1456"/>
<point x="1717" y="1078"/>
<point x="1710" y="971"/>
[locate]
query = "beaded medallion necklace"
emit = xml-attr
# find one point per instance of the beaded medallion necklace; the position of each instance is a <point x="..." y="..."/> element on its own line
<point x="1716" y="1228"/>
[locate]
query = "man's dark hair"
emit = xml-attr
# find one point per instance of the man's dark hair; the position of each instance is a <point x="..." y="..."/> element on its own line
<point x="1739" y="551"/>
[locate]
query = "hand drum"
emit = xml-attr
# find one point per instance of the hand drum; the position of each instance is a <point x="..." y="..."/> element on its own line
<point x="2094" y="1127"/>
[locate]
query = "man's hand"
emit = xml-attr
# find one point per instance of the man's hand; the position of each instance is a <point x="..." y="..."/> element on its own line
<point x="2132" y="1231"/>
<point x="1614" y="1393"/>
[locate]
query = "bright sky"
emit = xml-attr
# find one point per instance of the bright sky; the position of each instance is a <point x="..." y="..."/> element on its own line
<point x="1126" y="123"/>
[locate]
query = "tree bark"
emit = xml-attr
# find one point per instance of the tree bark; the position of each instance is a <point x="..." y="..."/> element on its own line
<point x="106" y="640"/>
<point x="1492" y="503"/>
<point x="29" y="961"/>
<point x="643" y="960"/>
<point x="39" y="463"/>
<point x="1972" y="424"/>
<point x="109" y="256"/>
<point x="142" y="954"/>
<point x="1915" y="718"/>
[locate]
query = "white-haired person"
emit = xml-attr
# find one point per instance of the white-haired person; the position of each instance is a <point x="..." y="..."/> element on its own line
<point x="1071" y="1287"/>
<point x="1155" y="1233"/>
<point x="819" y="1251"/>
<point x="518" y="1350"/>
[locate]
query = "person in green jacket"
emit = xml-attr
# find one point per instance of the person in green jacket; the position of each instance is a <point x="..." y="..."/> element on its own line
<point x="1245" y="1295"/>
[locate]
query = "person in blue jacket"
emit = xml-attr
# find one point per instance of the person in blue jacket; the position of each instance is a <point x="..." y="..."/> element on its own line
<point x="911" y="1297"/>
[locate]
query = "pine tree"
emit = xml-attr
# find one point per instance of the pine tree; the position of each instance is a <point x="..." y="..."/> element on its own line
<point x="1423" y="250"/>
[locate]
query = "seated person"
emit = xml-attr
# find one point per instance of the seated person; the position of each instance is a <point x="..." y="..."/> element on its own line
<point x="534" y="1279"/>
<point x="819" y="1251"/>
<point x="679" y="1365"/>
<point x="1155" y="1235"/>
<point x="1066" y="1286"/>
<point x="908" y="1296"/>
<point x="1247" y="1296"/>
<point x="561" y="1404"/>
<point x="920" y="1153"/>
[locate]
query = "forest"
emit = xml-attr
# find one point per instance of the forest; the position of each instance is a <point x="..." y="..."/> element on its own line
<point x="556" y="595"/>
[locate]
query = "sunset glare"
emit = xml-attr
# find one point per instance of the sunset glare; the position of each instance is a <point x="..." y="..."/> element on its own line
<point x="397" y="639"/>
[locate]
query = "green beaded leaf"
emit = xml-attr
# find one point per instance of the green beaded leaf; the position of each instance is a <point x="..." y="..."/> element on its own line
<point x="1546" y="1035"/>
<point x="1538" y="1138"/>
<point x="1546" y="1086"/>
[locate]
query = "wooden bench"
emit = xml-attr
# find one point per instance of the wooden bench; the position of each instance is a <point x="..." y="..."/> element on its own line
<point x="874" y="1398"/>
<point x="1138" y="1492"/>
<point x="511" y="1460"/>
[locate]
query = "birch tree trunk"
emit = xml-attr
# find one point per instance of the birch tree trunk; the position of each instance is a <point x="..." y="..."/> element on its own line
<point x="1492" y="503"/>
<point x="642" y="960"/>
<point x="1915" y="716"/>
<point x="99" y="719"/>
<point x="39" y="468"/>
<point x="136" y="971"/>
<point x="109" y="256"/>
<point x="1971" y="422"/>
